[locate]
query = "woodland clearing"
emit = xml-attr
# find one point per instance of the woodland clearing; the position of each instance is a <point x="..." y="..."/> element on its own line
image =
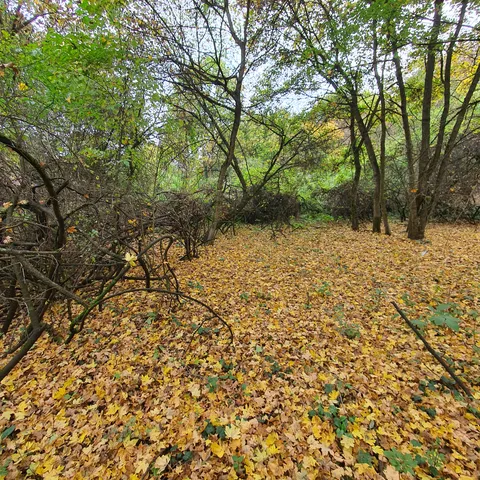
<point x="323" y="380"/>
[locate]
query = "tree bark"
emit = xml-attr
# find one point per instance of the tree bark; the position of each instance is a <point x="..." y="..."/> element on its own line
<point x="383" y="128"/>
<point x="15" y="360"/>
<point x="237" y="97"/>
<point x="358" y="170"/>
<point x="377" y="212"/>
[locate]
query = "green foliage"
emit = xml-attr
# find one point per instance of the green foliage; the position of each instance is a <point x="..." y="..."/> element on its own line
<point x="443" y="316"/>
<point x="195" y="285"/>
<point x="211" y="429"/>
<point x="176" y="458"/>
<point x="8" y="431"/>
<point x="244" y="296"/>
<point x="364" y="457"/>
<point x="276" y="368"/>
<point x="402" y="462"/>
<point x="238" y="463"/>
<point x="347" y="329"/>
<point x="329" y="388"/>
<point x="324" y="289"/>
<point x="212" y="383"/>
<point x="226" y="367"/>
<point x="407" y="301"/>
<point x="3" y="468"/>
<point x="339" y="422"/>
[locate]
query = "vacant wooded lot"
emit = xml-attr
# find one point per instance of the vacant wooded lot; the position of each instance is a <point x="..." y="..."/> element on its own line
<point x="239" y="239"/>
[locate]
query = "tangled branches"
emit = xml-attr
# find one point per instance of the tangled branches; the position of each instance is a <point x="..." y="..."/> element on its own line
<point x="65" y="237"/>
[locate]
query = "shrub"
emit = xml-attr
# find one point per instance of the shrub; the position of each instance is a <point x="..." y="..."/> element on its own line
<point x="270" y="208"/>
<point x="337" y="201"/>
<point x="186" y="217"/>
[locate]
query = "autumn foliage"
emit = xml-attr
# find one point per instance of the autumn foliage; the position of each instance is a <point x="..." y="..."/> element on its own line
<point x="324" y="380"/>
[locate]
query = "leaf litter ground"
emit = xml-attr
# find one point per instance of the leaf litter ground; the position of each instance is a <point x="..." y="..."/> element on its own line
<point x="323" y="379"/>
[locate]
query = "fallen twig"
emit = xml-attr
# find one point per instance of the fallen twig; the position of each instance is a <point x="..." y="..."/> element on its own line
<point x="437" y="357"/>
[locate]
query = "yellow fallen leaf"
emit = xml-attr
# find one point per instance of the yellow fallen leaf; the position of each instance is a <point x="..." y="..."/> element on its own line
<point x="317" y="433"/>
<point x="233" y="432"/>
<point x="50" y="476"/>
<point x="361" y="468"/>
<point x="142" y="466"/>
<point x="378" y="450"/>
<point x="260" y="455"/>
<point x="338" y="473"/>
<point x="154" y="434"/>
<point x="161" y="463"/>
<point x="194" y="389"/>
<point x="60" y="393"/>
<point x="333" y="395"/>
<point x="357" y="432"/>
<point x="271" y="439"/>
<point x="347" y="442"/>
<point x="7" y="413"/>
<point x="391" y="474"/>
<point x="217" y="449"/>
<point x="20" y="411"/>
<point x="112" y="409"/>
<point x="309" y="461"/>
<point x="272" y="449"/>
<point x="129" y="258"/>
<point x="130" y="442"/>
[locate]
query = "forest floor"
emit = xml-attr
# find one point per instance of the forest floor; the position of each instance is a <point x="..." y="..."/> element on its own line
<point x="323" y="381"/>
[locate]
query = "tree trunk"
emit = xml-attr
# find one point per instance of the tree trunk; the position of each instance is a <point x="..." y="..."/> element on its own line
<point x="33" y="337"/>
<point x="218" y="205"/>
<point x="356" y="181"/>
<point x="383" y="200"/>
<point x="416" y="227"/>
<point x="364" y="133"/>
<point x="358" y="171"/>
<point x="383" y="136"/>
<point x="377" y="210"/>
<point x="417" y="218"/>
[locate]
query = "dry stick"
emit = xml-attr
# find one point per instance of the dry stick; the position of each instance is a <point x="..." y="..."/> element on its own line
<point x="437" y="357"/>
<point x="177" y="294"/>
<point x="161" y="453"/>
<point x="202" y="323"/>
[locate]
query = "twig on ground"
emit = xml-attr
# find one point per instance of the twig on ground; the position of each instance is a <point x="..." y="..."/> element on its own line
<point x="437" y="357"/>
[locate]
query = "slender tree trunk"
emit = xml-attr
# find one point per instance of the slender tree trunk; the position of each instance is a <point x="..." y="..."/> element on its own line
<point x="383" y="135"/>
<point x="413" y="228"/>
<point x="236" y="95"/>
<point x="418" y="204"/>
<point x="416" y="226"/>
<point x="383" y="204"/>
<point x="356" y="181"/>
<point x="218" y="203"/>
<point x="364" y="133"/>
<point x="377" y="206"/>
<point x="358" y="170"/>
